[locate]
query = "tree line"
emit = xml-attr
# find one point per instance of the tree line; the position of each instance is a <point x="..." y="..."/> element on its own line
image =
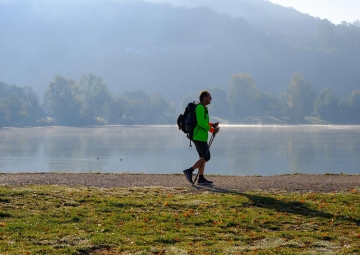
<point x="243" y="100"/>
<point x="77" y="103"/>
<point x="89" y="102"/>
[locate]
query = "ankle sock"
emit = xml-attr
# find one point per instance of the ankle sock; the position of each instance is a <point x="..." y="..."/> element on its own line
<point x="201" y="177"/>
<point x="191" y="169"/>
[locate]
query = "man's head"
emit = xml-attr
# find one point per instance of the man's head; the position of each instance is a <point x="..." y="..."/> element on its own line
<point x="205" y="97"/>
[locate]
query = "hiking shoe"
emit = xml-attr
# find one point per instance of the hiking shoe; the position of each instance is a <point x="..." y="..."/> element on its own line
<point x="188" y="175"/>
<point x="204" y="182"/>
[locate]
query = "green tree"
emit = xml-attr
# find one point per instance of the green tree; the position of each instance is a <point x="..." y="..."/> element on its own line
<point x="13" y="110"/>
<point x="6" y="90"/>
<point x="143" y="108"/>
<point x="269" y="105"/>
<point x="117" y="109"/>
<point x="284" y="106"/>
<point x="301" y="96"/>
<point x="344" y="115"/>
<point x="59" y="100"/>
<point x="32" y="102"/>
<point x="354" y="106"/>
<point x="219" y="106"/>
<point x="3" y="121"/>
<point x="243" y="95"/>
<point x="18" y="105"/>
<point x="159" y="106"/>
<point x="326" y="105"/>
<point x="136" y="104"/>
<point x="93" y="96"/>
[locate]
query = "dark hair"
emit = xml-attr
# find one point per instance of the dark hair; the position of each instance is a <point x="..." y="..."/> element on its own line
<point x="203" y="93"/>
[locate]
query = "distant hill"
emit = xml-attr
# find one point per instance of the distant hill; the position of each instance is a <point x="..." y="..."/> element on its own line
<point x="262" y="15"/>
<point x="156" y="47"/>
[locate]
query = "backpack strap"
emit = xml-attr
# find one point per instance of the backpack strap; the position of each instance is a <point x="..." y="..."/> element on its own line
<point x="205" y="109"/>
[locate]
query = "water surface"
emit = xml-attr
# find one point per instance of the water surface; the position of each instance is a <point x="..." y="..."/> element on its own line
<point x="236" y="150"/>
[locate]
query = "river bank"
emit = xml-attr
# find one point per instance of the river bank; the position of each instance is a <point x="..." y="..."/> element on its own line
<point x="291" y="183"/>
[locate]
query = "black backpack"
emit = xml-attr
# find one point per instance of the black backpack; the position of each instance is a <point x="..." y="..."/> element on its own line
<point x="187" y="121"/>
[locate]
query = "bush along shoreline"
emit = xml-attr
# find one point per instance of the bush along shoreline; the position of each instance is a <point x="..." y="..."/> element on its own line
<point x="89" y="102"/>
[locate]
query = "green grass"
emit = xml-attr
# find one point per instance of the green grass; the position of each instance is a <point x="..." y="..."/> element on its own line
<point x="64" y="220"/>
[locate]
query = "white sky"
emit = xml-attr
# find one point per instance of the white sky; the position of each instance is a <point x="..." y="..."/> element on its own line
<point x="333" y="10"/>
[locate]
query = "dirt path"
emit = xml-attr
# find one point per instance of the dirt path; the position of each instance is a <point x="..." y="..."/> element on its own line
<point x="298" y="182"/>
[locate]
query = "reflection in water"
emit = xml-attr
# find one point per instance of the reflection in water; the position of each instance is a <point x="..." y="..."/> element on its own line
<point x="236" y="150"/>
<point x="242" y="150"/>
<point x="301" y="152"/>
<point x="268" y="150"/>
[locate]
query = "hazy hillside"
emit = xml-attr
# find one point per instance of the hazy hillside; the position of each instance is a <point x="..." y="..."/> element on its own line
<point x="262" y="15"/>
<point x="173" y="50"/>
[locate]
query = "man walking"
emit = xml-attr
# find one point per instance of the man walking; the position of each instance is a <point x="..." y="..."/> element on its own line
<point x="200" y="138"/>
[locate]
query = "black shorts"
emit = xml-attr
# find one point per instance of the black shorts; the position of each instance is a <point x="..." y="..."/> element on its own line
<point x="202" y="148"/>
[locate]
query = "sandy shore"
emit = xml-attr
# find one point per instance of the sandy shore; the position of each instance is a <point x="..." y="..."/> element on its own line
<point x="298" y="182"/>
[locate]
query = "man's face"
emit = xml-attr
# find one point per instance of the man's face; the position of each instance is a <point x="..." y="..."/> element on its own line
<point x="207" y="99"/>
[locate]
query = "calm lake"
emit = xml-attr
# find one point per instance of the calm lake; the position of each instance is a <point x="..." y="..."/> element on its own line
<point x="236" y="150"/>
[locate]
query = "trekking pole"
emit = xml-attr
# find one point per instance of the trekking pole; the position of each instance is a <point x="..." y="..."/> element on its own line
<point x="210" y="142"/>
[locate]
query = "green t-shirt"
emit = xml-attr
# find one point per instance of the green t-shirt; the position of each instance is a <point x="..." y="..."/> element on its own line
<point x="202" y="128"/>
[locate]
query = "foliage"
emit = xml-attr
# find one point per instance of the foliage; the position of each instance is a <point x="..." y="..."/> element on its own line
<point x="144" y="108"/>
<point x="269" y="105"/>
<point x="93" y="97"/>
<point x="18" y="106"/>
<point x="219" y="105"/>
<point x="354" y="106"/>
<point x="244" y="101"/>
<point x="349" y="110"/>
<point x="326" y="105"/>
<point x="301" y="96"/>
<point x="89" y="101"/>
<point x="83" y="220"/>
<point x="59" y="100"/>
<point x="32" y="103"/>
<point x="243" y="95"/>
<point x="117" y="108"/>
<point x="136" y="103"/>
<point x="159" y="106"/>
<point x="13" y="109"/>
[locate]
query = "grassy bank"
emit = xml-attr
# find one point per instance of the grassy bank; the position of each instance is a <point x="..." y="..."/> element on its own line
<point x="63" y="220"/>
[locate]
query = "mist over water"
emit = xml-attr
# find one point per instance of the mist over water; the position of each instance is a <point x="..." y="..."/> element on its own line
<point x="236" y="150"/>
